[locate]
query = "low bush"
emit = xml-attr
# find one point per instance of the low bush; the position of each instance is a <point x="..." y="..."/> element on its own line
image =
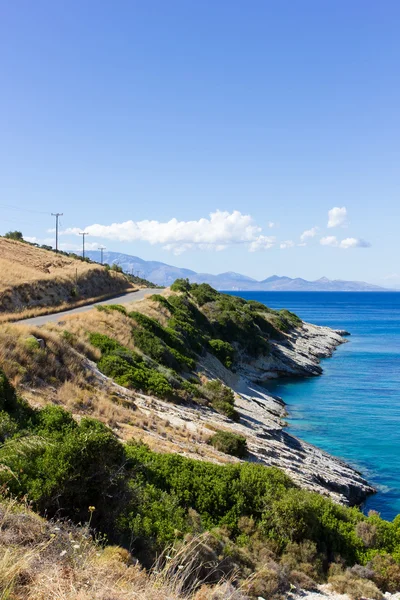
<point x="223" y="350"/>
<point x="221" y="397"/>
<point x="203" y="293"/>
<point x="128" y="368"/>
<point x="229" y="443"/>
<point x="357" y="589"/>
<point x="181" y="285"/>
<point x="111" y="307"/>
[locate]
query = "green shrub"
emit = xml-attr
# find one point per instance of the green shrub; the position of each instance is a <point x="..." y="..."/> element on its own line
<point x="8" y="426"/>
<point x="223" y="350"/>
<point x="17" y="408"/>
<point x="159" y="385"/>
<point x="131" y="372"/>
<point x="203" y="293"/>
<point x="229" y="443"/>
<point x="161" y="300"/>
<point x="103" y="342"/>
<point x="151" y="345"/>
<point x="290" y="317"/>
<point x="192" y="388"/>
<point x="225" y="408"/>
<point x="216" y="390"/>
<point x="257" y="306"/>
<point x="170" y="351"/>
<point x="32" y="344"/>
<point x="181" y="285"/>
<point x="116" y="268"/>
<point x="111" y="307"/>
<point x="221" y="397"/>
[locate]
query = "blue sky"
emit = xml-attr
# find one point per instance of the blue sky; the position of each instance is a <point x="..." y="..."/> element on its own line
<point x="139" y="120"/>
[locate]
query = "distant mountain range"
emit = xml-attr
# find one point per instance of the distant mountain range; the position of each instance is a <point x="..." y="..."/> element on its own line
<point x="163" y="274"/>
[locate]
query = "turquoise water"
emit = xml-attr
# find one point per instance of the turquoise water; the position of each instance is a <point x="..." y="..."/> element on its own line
<point x="353" y="409"/>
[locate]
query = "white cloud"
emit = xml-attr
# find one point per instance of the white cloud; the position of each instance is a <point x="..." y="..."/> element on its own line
<point x="41" y="241"/>
<point x="220" y="230"/>
<point x="354" y="243"/>
<point x="271" y="224"/>
<point x="287" y="244"/>
<point x="309" y="233"/>
<point x="337" y="217"/>
<point x="330" y="240"/>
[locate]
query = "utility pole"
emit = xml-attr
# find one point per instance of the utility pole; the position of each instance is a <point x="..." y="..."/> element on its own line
<point x="56" y="215"/>
<point x="83" y="233"/>
<point x="101" y="248"/>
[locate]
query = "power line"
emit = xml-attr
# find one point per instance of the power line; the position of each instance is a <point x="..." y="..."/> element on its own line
<point x="32" y="210"/>
<point x="56" y="215"/>
<point x="83" y="233"/>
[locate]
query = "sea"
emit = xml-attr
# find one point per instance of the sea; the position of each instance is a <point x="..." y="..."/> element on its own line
<point x="353" y="409"/>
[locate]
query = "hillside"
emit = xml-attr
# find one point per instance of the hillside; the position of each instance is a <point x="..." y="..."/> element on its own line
<point x="33" y="280"/>
<point x="223" y="526"/>
<point x="149" y="425"/>
<point x="164" y="274"/>
<point x="191" y="359"/>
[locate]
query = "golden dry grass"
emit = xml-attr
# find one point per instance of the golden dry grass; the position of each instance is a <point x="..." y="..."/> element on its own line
<point x="41" y="560"/>
<point x="114" y="324"/>
<point x="32" y="279"/>
<point x="23" y="263"/>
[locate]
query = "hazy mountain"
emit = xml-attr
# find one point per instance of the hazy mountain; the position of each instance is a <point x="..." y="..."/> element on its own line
<point x="164" y="274"/>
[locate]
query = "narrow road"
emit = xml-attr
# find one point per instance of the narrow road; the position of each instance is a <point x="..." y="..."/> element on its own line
<point x="55" y="317"/>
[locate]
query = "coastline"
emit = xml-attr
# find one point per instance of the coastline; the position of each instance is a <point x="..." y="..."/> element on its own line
<point x="262" y="414"/>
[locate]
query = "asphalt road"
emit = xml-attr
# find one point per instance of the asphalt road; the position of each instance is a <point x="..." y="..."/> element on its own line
<point x="55" y="317"/>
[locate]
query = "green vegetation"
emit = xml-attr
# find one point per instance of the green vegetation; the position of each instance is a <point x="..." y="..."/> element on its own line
<point x="228" y="326"/>
<point x="203" y="293"/>
<point x="230" y="443"/>
<point x="221" y="397"/>
<point x="181" y="285"/>
<point x="146" y="500"/>
<point x="129" y="368"/>
<point x="199" y="320"/>
<point x="111" y="307"/>
<point x="224" y="351"/>
<point x="14" y="235"/>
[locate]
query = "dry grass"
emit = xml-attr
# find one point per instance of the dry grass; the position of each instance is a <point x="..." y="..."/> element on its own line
<point x="25" y="362"/>
<point x="152" y="308"/>
<point x="33" y="279"/>
<point x="42" y="560"/>
<point x="114" y="324"/>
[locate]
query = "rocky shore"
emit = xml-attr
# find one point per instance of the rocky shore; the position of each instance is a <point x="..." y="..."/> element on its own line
<point x="261" y="415"/>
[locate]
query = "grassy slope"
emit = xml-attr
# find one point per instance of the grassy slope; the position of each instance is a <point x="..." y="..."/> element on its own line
<point x="33" y="278"/>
